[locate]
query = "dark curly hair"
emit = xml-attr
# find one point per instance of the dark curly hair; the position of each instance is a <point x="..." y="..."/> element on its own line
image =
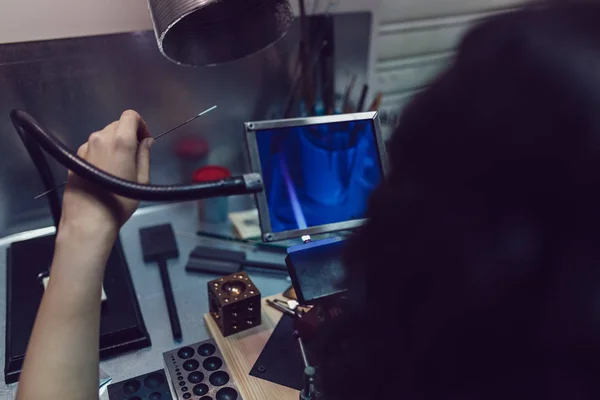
<point x="477" y="275"/>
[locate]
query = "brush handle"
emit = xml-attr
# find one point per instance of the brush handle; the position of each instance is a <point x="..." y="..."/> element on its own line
<point x="170" y="300"/>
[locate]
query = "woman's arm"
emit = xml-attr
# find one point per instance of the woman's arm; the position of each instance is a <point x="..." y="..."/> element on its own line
<point x="62" y="357"/>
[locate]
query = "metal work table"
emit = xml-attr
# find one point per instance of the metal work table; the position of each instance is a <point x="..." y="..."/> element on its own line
<point x="189" y="288"/>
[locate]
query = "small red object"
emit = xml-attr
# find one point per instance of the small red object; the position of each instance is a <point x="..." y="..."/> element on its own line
<point x="210" y="173"/>
<point x="193" y="147"/>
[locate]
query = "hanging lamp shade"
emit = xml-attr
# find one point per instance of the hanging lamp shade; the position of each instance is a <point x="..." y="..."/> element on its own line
<point x="209" y="32"/>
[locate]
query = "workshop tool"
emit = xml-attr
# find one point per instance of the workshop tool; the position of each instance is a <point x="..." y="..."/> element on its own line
<point x="309" y="391"/>
<point x="346" y="106"/>
<point x="155" y="138"/>
<point x="363" y="97"/>
<point x="316" y="268"/>
<point x="151" y="386"/>
<point x="327" y="64"/>
<point x="310" y="262"/>
<point x="321" y="29"/>
<point x="159" y="245"/>
<point x="376" y="102"/>
<point x="289" y="307"/>
<point x="308" y="95"/>
<point x="293" y="370"/>
<point x="208" y="32"/>
<point x="214" y="260"/>
<point x="200" y="370"/>
<point x="35" y="137"/>
<point x="281" y="308"/>
<point x="320" y="47"/>
<point x="257" y="245"/>
<point x="291" y="304"/>
<point x="234" y="303"/>
<point x="298" y="79"/>
<point x="185" y="122"/>
<point x="224" y="262"/>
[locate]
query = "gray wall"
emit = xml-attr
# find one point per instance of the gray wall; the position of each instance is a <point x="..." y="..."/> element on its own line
<point x="76" y="86"/>
<point x="416" y="40"/>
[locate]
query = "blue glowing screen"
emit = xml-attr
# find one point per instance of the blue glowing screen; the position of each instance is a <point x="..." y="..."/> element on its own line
<point x="318" y="174"/>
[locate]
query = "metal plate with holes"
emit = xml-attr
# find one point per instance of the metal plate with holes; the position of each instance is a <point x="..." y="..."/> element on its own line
<point x="151" y="386"/>
<point x="199" y="372"/>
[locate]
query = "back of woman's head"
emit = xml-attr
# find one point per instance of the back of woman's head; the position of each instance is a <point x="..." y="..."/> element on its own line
<point x="478" y="273"/>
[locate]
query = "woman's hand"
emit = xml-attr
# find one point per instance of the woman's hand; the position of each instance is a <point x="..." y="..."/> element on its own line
<point x="121" y="149"/>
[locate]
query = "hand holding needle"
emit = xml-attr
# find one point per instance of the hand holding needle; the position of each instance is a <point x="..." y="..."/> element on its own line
<point x="155" y="138"/>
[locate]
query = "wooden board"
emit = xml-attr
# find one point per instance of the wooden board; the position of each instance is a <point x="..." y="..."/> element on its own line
<point x="242" y="350"/>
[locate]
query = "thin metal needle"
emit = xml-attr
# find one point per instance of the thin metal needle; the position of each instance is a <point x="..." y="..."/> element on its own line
<point x="185" y="123"/>
<point x="155" y="138"/>
<point x="49" y="191"/>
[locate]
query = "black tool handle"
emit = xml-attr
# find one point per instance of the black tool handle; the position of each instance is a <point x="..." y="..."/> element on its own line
<point x="363" y="98"/>
<point x="171" y="307"/>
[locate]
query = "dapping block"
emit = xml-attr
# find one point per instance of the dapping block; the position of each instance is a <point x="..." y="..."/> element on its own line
<point x="234" y="303"/>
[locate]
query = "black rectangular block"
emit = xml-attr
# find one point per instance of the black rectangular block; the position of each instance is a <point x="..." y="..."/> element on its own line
<point x="158" y="243"/>
<point x="122" y="327"/>
<point x="316" y="269"/>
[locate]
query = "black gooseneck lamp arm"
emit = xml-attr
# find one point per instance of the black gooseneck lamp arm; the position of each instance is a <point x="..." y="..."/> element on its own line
<point x="35" y="138"/>
<point x="41" y="165"/>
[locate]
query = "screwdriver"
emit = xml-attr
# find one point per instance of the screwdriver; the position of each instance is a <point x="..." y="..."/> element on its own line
<point x="155" y="138"/>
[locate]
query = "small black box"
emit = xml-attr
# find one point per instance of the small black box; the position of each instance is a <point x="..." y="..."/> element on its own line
<point x="316" y="269"/>
<point x="234" y="303"/>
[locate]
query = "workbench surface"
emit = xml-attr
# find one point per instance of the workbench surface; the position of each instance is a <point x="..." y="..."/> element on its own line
<point x="190" y="289"/>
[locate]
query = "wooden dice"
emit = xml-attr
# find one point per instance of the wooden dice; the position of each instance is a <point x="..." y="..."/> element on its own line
<point x="234" y="303"/>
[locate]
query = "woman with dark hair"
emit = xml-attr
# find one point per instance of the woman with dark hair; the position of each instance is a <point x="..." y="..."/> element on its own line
<point x="477" y="275"/>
